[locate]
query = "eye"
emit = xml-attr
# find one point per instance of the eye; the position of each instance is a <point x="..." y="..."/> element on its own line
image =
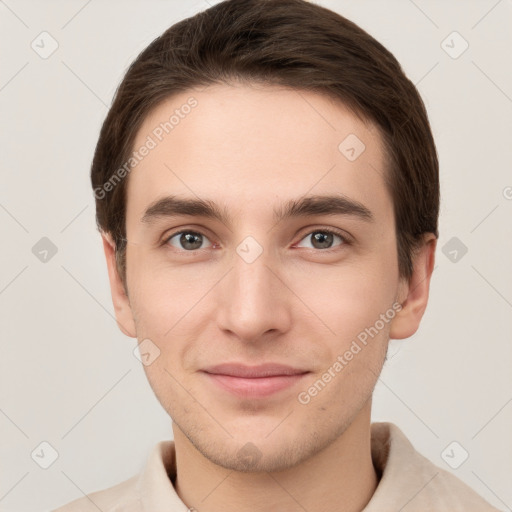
<point x="187" y="240"/>
<point x="323" y="239"/>
<point x="190" y="241"/>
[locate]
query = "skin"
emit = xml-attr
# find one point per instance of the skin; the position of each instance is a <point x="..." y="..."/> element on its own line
<point x="251" y="148"/>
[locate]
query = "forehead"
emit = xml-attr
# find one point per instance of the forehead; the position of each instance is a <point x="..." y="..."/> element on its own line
<point x="253" y="147"/>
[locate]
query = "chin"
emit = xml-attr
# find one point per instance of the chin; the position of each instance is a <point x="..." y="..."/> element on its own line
<point x="256" y="458"/>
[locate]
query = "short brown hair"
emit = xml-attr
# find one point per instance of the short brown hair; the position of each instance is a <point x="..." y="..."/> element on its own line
<point x="291" y="43"/>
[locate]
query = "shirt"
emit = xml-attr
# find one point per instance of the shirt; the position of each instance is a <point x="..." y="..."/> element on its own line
<point x="408" y="482"/>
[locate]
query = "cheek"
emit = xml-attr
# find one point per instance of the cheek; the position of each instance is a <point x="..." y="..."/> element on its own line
<point x="346" y="299"/>
<point x="170" y="309"/>
<point x="169" y="387"/>
<point x="161" y="296"/>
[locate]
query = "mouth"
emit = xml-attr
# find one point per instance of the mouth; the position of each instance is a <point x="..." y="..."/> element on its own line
<point x="254" y="381"/>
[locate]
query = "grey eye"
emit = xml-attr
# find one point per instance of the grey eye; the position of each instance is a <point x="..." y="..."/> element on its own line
<point x="187" y="240"/>
<point x="322" y="239"/>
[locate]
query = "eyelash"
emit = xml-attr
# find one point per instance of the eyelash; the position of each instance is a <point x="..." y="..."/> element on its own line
<point x="345" y="240"/>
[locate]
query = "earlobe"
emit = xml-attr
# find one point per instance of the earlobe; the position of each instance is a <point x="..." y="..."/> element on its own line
<point x="414" y="294"/>
<point x="120" y="300"/>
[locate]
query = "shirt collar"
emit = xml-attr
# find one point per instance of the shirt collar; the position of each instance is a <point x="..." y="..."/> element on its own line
<point x="403" y="472"/>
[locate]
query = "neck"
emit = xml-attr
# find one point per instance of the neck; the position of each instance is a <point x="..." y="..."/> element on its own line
<point x="341" y="476"/>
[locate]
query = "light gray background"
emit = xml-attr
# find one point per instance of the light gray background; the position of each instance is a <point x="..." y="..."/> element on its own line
<point x="69" y="376"/>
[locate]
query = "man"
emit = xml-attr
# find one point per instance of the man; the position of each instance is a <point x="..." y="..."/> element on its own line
<point x="267" y="191"/>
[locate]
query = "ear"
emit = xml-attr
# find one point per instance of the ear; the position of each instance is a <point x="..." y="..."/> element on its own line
<point x="413" y="294"/>
<point x="120" y="300"/>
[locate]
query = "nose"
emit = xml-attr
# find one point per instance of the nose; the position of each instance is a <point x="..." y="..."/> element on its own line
<point x="254" y="300"/>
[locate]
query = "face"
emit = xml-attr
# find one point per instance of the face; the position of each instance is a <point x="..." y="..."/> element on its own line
<point x="265" y="326"/>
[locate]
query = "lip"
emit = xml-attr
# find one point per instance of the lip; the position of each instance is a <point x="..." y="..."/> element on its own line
<point x="254" y="381"/>
<point x="246" y="371"/>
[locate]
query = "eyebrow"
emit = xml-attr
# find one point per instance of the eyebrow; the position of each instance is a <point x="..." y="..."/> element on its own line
<point x="338" y="204"/>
